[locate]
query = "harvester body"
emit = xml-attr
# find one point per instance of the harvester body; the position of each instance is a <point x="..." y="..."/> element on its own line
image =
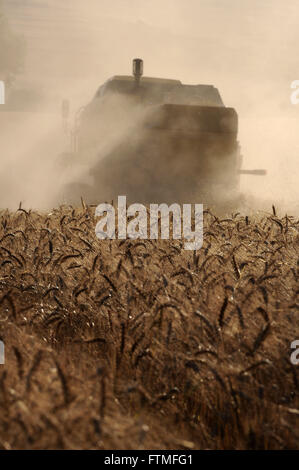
<point x="157" y="140"/>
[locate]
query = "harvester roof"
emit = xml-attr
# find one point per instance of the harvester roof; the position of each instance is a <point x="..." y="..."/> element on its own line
<point x="162" y="90"/>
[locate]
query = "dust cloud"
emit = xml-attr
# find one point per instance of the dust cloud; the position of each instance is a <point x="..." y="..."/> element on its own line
<point x="246" y="49"/>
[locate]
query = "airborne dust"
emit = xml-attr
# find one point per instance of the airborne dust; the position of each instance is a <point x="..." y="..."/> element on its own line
<point x="246" y="49"/>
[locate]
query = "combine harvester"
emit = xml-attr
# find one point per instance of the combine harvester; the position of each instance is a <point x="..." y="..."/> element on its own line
<point x="155" y="140"/>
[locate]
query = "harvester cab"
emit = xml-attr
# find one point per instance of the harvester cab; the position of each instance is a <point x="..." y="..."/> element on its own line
<point x="155" y="139"/>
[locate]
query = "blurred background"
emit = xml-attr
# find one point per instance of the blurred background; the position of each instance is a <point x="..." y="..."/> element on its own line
<point x="57" y="50"/>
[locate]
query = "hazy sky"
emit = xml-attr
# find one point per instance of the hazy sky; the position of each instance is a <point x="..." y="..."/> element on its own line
<point x="232" y="43"/>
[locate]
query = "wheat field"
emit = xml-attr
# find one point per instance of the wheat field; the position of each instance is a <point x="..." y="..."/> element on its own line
<point x="143" y="345"/>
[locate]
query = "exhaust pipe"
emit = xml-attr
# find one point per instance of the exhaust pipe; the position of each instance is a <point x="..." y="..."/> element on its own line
<point x="253" y="172"/>
<point x="137" y="70"/>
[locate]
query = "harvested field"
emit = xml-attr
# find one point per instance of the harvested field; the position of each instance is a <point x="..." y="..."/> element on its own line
<point x="144" y="345"/>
